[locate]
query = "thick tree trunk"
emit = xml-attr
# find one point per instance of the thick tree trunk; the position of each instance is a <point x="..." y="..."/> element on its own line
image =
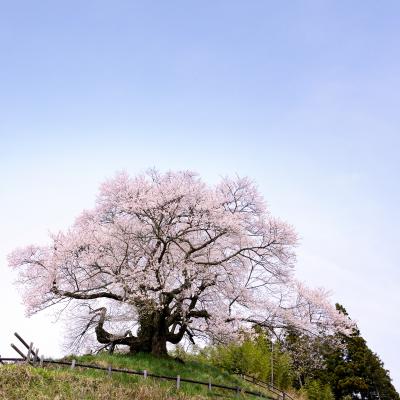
<point x="159" y="345"/>
<point x="151" y="336"/>
<point x="153" y="329"/>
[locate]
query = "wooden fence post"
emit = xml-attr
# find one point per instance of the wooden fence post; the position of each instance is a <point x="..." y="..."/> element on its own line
<point x="28" y="357"/>
<point x="32" y="356"/>
<point x="36" y="356"/>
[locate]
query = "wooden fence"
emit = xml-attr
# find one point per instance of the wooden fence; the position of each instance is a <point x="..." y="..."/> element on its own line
<point x="279" y="393"/>
<point x="32" y="357"/>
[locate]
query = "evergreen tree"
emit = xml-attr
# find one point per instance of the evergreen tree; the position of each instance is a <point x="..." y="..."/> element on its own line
<point x="355" y="370"/>
<point x="352" y="370"/>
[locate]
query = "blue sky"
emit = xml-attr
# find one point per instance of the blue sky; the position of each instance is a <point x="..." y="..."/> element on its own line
<point x="302" y="96"/>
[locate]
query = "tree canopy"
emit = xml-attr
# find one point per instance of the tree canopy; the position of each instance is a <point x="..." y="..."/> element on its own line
<point x="165" y="256"/>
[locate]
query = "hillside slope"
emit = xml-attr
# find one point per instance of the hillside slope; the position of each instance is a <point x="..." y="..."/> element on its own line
<point x="20" y="382"/>
<point x="25" y="382"/>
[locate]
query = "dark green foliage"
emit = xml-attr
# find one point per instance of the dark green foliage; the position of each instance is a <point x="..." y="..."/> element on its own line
<point x="357" y="371"/>
<point x="352" y="370"/>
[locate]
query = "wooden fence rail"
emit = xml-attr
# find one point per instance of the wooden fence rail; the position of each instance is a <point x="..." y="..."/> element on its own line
<point x="280" y="393"/>
<point x="33" y="358"/>
<point x="238" y="390"/>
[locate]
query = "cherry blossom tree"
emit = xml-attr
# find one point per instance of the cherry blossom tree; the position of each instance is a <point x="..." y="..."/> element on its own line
<point x="164" y="257"/>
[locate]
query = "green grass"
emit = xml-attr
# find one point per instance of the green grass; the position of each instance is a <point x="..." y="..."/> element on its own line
<point x="167" y="367"/>
<point x="21" y="382"/>
<point x="62" y="383"/>
<point x="161" y="366"/>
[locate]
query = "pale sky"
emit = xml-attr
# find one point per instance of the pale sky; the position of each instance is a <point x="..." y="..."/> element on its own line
<point x="301" y="96"/>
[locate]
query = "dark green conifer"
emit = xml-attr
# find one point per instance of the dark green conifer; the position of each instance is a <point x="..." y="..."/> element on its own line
<point x="355" y="370"/>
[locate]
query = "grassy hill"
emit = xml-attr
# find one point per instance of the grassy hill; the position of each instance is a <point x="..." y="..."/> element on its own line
<point x="25" y="382"/>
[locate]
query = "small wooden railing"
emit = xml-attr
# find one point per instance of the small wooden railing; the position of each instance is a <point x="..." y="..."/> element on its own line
<point x="32" y="357"/>
<point x="280" y="394"/>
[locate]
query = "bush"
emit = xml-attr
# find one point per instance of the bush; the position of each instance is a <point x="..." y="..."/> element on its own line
<point x="315" y="390"/>
<point x="251" y="356"/>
